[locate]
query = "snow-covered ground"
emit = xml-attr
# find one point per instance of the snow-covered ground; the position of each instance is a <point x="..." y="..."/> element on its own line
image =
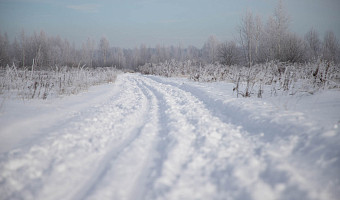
<point x="147" y="137"/>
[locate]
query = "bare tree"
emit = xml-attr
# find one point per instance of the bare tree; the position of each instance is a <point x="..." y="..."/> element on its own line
<point x="104" y="48"/>
<point x="144" y="54"/>
<point x="118" y="57"/>
<point x="15" y="53"/>
<point x="23" y="46"/>
<point x="210" y="49"/>
<point x="281" y="22"/>
<point x="178" y="53"/>
<point x="192" y="53"/>
<point x="274" y="35"/>
<point x="313" y="44"/>
<point x="88" y="52"/>
<point x="228" y="53"/>
<point x="330" y="47"/>
<point x="247" y="37"/>
<point x="292" y="49"/>
<point x="4" y="49"/>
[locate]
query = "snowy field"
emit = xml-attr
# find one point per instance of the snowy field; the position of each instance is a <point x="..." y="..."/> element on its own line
<point x="147" y="137"/>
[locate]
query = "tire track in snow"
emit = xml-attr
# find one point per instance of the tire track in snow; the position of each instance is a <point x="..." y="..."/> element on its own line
<point x="238" y="116"/>
<point x="159" y="148"/>
<point x="155" y="140"/>
<point x="129" y="172"/>
<point x="164" y="143"/>
<point x="278" y="167"/>
<point x="198" y="139"/>
<point x="112" y="157"/>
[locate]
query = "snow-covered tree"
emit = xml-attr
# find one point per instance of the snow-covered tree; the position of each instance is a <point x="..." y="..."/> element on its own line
<point x="103" y="49"/>
<point x="247" y="37"/>
<point x="228" y="53"/>
<point x="4" y="49"/>
<point x="330" y="47"/>
<point x="88" y="52"/>
<point x="210" y="49"/>
<point x="273" y="36"/>
<point x="313" y="46"/>
<point x="292" y="49"/>
<point x="280" y="29"/>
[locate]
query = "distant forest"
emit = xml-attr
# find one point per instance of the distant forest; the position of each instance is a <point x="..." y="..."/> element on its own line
<point x="257" y="41"/>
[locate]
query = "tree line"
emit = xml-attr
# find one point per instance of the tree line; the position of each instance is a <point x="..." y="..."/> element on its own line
<point x="256" y="42"/>
<point x="44" y="51"/>
<point x="262" y="42"/>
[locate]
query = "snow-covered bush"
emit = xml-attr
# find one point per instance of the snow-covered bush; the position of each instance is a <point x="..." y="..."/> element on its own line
<point x="285" y="78"/>
<point x="29" y="84"/>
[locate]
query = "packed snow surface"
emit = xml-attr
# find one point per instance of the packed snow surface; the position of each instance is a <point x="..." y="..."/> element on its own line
<point x="147" y="137"/>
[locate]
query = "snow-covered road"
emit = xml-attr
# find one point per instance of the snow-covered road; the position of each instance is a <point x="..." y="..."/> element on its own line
<point x="147" y="137"/>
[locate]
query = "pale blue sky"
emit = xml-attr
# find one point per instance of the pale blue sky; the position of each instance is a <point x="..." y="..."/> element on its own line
<point x="128" y="23"/>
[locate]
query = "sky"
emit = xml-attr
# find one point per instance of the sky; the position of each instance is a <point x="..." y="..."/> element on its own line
<point x="129" y="23"/>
